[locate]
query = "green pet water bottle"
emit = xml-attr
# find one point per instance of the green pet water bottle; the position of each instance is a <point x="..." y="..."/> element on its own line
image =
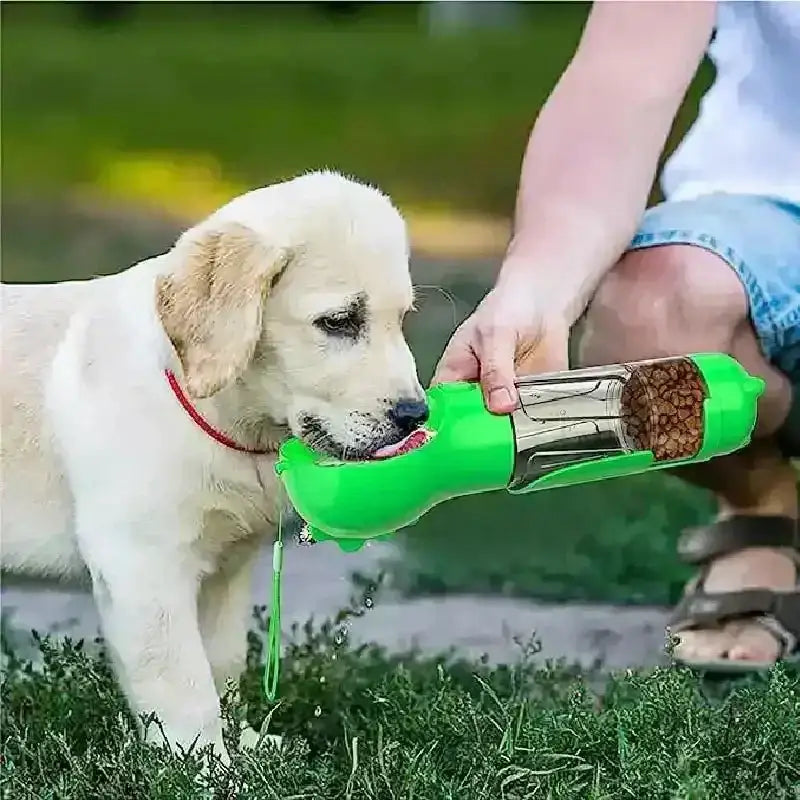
<point x="569" y="427"/>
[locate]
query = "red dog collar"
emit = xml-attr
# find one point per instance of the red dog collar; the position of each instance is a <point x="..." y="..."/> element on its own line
<point x="201" y="423"/>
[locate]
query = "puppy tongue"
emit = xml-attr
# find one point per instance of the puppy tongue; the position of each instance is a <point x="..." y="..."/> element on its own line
<point x="414" y="440"/>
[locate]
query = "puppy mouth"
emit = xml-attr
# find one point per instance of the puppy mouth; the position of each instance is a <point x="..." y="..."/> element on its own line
<point x="413" y="441"/>
<point x="318" y="439"/>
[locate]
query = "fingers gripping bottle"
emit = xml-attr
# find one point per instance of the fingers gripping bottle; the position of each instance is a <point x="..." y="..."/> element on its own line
<point x="569" y="427"/>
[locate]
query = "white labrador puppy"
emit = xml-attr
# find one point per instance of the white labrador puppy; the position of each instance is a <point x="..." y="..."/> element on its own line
<point x="141" y="413"/>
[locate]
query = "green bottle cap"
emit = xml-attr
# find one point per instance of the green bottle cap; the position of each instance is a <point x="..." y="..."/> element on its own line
<point x="731" y="408"/>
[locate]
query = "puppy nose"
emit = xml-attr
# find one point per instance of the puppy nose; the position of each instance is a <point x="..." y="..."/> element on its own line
<point x="408" y="415"/>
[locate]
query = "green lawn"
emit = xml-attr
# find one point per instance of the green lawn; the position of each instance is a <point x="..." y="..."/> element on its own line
<point x="611" y="542"/>
<point x="184" y="105"/>
<point x="360" y="724"/>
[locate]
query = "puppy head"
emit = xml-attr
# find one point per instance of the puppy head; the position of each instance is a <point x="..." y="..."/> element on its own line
<point x="294" y="297"/>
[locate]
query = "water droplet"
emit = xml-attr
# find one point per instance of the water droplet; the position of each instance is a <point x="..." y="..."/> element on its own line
<point x="322" y="679"/>
<point x="368" y="602"/>
<point x="340" y="636"/>
<point x="318" y="711"/>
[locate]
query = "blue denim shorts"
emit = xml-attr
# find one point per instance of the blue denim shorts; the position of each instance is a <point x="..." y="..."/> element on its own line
<point x="760" y="239"/>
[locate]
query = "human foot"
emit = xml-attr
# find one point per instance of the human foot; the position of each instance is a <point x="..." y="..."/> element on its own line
<point x="722" y="619"/>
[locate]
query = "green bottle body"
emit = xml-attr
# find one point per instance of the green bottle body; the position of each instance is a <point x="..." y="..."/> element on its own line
<point x="472" y="450"/>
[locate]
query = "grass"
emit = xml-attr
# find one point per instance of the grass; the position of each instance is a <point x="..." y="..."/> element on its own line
<point x="167" y="100"/>
<point x="612" y="542"/>
<point x="358" y="723"/>
<point x="181" y="107"/>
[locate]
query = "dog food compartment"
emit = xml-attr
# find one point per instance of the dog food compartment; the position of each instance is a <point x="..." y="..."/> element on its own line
<point x="575" y="417"/>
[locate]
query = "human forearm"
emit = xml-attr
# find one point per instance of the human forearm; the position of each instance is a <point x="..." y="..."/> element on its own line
<point x="594" y="150"/>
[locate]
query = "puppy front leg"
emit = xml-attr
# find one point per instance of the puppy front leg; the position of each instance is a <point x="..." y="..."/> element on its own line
<point x="225" y="606"/>
<point x="147" y="599"/>
<point x="224" y="609"/>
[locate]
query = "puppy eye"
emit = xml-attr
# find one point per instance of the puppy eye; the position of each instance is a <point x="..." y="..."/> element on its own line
<point x="340" y="324"/>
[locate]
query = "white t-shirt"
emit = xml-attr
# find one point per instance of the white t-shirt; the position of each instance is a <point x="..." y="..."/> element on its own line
<point x="746" y="138"/>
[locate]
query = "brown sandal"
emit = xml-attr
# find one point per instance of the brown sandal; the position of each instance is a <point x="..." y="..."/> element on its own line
<point x="777" y="611"/>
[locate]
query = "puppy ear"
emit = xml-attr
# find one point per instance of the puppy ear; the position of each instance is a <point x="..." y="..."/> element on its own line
<point x="211" y="306"/>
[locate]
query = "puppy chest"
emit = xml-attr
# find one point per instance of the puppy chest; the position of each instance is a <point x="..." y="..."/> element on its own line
<point x="237" y="512"/>
<point x="221" y="530"/>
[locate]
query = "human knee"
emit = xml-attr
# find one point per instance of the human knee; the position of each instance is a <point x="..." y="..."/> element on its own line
<point x="660" y="302"/>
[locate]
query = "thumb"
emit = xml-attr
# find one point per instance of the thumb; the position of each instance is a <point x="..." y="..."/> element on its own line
<point x="497" y="371"/>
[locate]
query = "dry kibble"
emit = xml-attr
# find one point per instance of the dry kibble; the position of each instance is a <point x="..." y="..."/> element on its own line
<point x="662" y="409"/>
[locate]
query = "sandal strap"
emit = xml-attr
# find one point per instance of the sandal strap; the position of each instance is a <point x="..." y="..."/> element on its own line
<point x="780" y="610"/>
<point x="785" y="637"/>
<point x="703" y="544"/>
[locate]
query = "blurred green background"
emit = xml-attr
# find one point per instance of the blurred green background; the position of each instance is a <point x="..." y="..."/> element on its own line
<point x="121" y="123"/>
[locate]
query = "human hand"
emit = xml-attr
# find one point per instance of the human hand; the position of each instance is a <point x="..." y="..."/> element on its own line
<point x="509" y="333"/>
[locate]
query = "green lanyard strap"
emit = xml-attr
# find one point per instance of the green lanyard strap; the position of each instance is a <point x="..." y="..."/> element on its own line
<point x="272" y="662"/>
